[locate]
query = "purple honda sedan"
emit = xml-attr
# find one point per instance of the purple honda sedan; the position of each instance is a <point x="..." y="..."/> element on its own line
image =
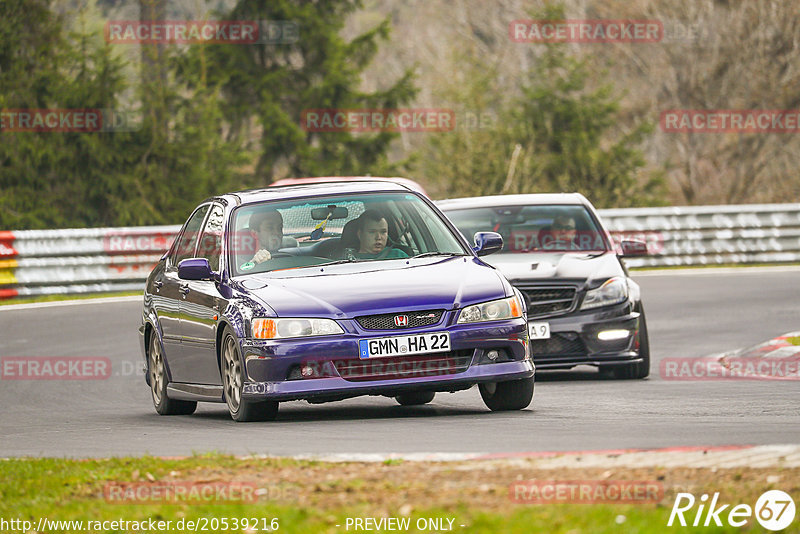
<point x="329" y="291"/>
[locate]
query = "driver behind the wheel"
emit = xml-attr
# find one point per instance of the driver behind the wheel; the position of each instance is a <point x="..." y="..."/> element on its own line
<point x="268" y="226"/>
<point x="561" y="235"/>
<point x="373" y="235"/>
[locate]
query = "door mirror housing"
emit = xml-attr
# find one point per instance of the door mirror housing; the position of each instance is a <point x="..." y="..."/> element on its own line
<point x="634" y="248"/>
<point x="487" y="243"/>
<point x="195" y="269"/>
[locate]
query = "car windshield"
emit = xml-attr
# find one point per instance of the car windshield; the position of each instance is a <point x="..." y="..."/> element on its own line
<point x="307" y="232"/>
<point x="533" y="228"/>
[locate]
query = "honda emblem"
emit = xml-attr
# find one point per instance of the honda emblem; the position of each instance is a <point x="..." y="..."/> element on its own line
<point x="401" y="320"/>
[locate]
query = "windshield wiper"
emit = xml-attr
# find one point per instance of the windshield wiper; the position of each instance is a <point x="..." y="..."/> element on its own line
<point x="338" y="262"/>
<point x="429" y="254"/>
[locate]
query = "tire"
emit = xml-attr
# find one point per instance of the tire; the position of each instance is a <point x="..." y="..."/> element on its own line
<point x="159" y="380"/>
<point x="635" y="371"/>
<point x="232" y="372"/>
<point x="504" y="396"/>
<point x="415" y="398"/>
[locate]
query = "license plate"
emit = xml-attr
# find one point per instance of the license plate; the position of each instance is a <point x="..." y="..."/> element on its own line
<point x="539" y="330"/>
<point x="403" y="345"/>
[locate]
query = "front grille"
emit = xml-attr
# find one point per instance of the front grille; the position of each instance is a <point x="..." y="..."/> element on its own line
<point x="560" y="344"/>
<point x="385" y="321"/>
<point x="549" y="300"/>
<point x="445" y="363"/>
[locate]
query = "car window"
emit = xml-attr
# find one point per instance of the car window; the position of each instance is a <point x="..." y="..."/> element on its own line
<point x="185" y="246"/>
<point x="326" y="229"/>
<point x="533" y="228"/>
<point x="211" y="240"/>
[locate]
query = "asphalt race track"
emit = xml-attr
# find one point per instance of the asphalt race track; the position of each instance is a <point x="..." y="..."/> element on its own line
<point x="690" y="314"/>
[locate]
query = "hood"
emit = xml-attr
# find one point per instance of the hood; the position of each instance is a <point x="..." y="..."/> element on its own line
<point x="566" y="266"/>
<point x="349" y="290"/>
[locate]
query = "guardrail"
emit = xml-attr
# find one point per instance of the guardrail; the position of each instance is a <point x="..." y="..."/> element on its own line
<point x="708" y="235"/>
<point x="94" y="260"/>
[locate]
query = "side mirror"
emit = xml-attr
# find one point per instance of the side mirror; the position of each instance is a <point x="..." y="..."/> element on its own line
<point x="487" y="243"/>
<point x="634" y="248"/>
<point x="195" y="269"/>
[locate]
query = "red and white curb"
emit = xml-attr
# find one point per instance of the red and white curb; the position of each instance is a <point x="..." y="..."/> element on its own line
<point x="775" y="359"/>
<point x="779" y="357"/>
<point x="721" y="457"/>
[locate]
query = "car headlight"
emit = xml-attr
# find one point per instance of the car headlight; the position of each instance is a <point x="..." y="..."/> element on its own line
<point x="494" y="310"/>
<point x="264" y="328"/>
<point x="613" y="291"/>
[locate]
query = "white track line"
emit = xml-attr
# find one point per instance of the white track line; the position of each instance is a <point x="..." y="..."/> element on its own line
<point x="79" y="302"/>
<point x="721" y="457"/>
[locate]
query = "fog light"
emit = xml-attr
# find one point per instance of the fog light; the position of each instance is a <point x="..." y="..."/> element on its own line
<point x="255" y="365"/>
<point x="611" y="335"/>
<point x="492" y="355"/>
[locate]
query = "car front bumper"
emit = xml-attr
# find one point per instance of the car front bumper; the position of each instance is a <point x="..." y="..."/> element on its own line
<point x="275" y="368"/>
<point x="574" y="339"/>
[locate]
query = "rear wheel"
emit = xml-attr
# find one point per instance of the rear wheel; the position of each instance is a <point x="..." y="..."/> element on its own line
<point x="415" y="398"/>
<point x="641" y="369"/>
<point x="232" y="371"/>
<point x="504" y="396"/>
<point x="158" y="383"/>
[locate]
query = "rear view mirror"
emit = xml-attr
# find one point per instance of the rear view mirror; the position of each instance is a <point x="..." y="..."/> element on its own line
<point x="634" y="248"/>
<point x="335" y="212"/>
<point x="508" y="215"/>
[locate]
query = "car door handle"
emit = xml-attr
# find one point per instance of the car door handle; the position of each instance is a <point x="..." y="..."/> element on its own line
<point x="184" y="289"/>
<point x="158" y="284"/>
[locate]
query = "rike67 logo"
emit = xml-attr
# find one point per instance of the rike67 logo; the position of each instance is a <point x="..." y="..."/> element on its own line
<point x="774" y="510"/>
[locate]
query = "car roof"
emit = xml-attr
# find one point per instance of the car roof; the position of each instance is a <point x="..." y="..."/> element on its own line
<point x="532" y="199"/>
<point x="411" y="184"/>
<point x="310" y="190"/>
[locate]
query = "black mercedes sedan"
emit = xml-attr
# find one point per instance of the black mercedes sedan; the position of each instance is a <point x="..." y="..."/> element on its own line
<point x="583" y="307"/>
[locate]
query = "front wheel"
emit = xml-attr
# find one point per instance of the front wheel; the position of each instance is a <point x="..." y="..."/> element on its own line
<point x="504" y="396"/>
<point x="241" y="410"/>
<point x="158" y="383"/>
<point x="641" y="369"/>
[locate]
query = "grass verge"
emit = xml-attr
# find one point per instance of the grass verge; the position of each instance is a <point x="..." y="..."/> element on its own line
<point x="309" y="496"/>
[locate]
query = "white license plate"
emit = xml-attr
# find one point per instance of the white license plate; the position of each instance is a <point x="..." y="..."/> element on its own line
<point x="539" y="330"/>
<point x="383" y="347"/>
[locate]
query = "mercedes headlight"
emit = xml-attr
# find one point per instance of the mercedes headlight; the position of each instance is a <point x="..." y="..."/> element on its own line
<point x="264" y="328"/>
<point x="613" y="291"/>
<point x="494" y="310"/>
